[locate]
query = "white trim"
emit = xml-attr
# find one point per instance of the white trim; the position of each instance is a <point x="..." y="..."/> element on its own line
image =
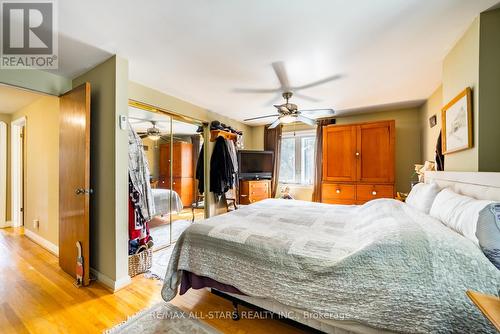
<point x="110" y="283"/>
<point x="54" y="249"/>
<point x="6" y="224"/>
<point x="3" y="174"/>
<point x="16" y="157"/>
<point x="298" y="133"/>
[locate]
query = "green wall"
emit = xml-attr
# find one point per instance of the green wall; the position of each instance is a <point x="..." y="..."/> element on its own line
<point x="109" y="151"/>
<point x="40" y="81"/>
<point x="408" y="142"/>
<point x="489" y="91"/>
<point x="461" y="70"/>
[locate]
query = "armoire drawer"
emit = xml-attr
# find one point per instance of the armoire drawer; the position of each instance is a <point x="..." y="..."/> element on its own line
<point x="366" y="192"/>
<point x="334" y="191"/>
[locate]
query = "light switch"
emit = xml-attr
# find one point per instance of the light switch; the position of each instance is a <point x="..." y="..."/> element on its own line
<point x="123" y="122"/>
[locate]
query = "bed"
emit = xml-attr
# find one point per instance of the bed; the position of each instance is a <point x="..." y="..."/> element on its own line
<point x="376" y="268"/>
<point x="163" y="198"/>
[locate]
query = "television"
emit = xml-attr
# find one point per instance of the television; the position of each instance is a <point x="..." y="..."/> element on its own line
<point x="255" y="164"/>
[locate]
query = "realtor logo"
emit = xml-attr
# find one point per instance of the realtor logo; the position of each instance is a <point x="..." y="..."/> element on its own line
<point x="28" y="35"/>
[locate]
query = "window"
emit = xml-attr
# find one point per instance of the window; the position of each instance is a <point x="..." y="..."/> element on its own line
<point x="297" y="157"/>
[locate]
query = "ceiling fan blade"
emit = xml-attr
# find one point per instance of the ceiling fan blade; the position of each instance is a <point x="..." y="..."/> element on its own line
<point x="274" y="124"/>
<point x="306" y="120"/>
<point x="257" y="90"/>
<point x="251" y="119"/>
<point x="280" y="70"/>
<point x="318" y="113"/>
<point x="319" y="82"/>
<point x="277" y="98"/>
<point x="305" y="97"/>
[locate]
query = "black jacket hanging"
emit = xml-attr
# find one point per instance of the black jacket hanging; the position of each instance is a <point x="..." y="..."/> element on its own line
<point x="221" y="168"/>
<point x="439" y="155"/>
<point x="200" y="171"/>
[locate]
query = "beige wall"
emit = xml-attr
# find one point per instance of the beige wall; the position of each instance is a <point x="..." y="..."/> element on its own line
<point x="430" y="135"/>
<point x="257" y="138"/>
<point x="461" y="70"/>
<point x="408" y="143"/>
<point x="41" y="197"/>
<point x="109" y="158"/>
<point x="7" y="118"/>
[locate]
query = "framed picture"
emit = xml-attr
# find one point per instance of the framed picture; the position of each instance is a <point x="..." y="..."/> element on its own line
<point x="457" y="123"/>
<point x="432" y="121"/>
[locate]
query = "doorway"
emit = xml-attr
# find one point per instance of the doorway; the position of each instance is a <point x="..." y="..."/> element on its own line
<point x="18" y="127"/>
<point x="3" y="174"/>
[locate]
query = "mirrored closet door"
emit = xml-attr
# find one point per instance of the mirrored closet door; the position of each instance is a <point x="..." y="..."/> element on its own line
<point x="172" y="147"/>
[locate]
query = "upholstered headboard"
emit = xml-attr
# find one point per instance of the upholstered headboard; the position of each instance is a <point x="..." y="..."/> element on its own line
<point x="480" y="185"/>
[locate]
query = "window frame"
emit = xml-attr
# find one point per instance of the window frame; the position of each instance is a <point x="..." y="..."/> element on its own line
<point x="298" y="170"/>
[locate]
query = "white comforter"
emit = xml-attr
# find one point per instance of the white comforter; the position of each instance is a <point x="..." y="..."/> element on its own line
<point x="382" y="264"/>
<point x="162" y="200"/>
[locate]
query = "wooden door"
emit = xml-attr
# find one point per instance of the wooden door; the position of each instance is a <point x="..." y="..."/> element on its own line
<point x="375" y="152"/>
<point x="339" y="149"/>
<point x="74" y="178"/>
<point x="164" y="165"/>
<point x="182" y="159"/>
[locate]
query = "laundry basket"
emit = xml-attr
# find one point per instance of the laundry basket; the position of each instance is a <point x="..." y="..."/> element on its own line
<point x="141" y="261"/>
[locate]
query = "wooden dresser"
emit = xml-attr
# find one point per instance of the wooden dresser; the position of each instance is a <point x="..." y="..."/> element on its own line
<point x="182" y="170"/>
<point x="252" y="191"/>
<point x="358" y="162"/>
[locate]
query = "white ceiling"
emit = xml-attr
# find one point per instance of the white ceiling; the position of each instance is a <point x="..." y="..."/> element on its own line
<point x="12" y="99"/>
<point x="388" y="52"/>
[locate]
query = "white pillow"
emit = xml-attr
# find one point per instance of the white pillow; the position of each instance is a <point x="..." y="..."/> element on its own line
<point x="458" y="212"/>
<point x="422" y="196"/>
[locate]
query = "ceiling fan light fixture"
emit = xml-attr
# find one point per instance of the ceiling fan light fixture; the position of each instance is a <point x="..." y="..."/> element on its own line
<point x="154" y="137"/>
<point x="287" y="119"/>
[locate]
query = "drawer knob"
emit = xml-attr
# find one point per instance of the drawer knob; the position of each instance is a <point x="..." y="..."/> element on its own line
<point x="374" y="193"/>
<point x="357" y="154"/>
<point x="337" y="191"/>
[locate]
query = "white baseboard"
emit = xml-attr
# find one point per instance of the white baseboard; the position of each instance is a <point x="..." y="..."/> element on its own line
<point x="110" y="283"/>
<point x="42" y="242"/>
<point x="6" y="224"/>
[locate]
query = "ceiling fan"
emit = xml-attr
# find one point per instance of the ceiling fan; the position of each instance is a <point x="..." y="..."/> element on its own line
<point x="153" y="133"/>
<point x="289" y="112"/>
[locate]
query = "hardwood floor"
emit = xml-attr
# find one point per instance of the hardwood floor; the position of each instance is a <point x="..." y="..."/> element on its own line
<point x="36" y="296"/>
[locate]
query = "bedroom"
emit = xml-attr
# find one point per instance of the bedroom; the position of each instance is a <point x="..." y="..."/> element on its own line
<point x="396" y="72"/>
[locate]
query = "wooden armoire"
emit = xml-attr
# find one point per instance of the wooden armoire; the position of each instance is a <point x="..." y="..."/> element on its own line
<point x="182" y="170"/>
<point x="358" y="162"/>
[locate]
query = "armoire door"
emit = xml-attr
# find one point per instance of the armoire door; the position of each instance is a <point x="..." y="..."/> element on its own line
<point x="74" y="179"/>
<point x="375" y="152"/>
<point x="339" y="153"/>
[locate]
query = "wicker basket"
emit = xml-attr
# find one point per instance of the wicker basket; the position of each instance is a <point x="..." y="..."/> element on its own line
<point x="141" y="261"/>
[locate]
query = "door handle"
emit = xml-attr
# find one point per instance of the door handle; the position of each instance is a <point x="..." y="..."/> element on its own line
<point x="82" y="191"/>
